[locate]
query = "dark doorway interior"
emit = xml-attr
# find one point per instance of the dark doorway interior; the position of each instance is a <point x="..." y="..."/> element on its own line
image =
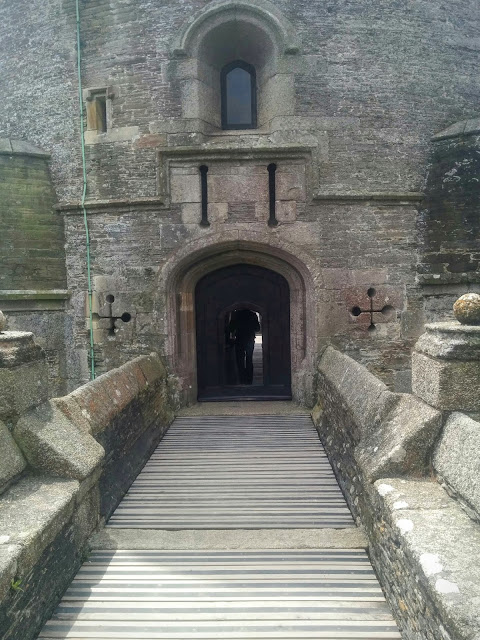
<point x="234" y="362"/>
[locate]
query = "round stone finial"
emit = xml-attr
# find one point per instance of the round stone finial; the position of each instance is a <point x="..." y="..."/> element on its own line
<point x="467" y="309"/>
<point x="3" y="322"/>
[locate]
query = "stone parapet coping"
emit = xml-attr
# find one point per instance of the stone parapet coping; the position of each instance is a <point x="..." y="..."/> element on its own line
<point x="32" y="513"/>
<point x="394" y="433"/>
<point x="461" y="128"/>
<point x="438" y="544"/>
<point x="9" y="147"/>
<point x="84" y="450"/>
<point x="424" y="537"/>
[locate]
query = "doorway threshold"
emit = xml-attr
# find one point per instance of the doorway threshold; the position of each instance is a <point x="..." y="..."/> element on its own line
<point x="240" y="408"/>
<point x="244" y="398"/>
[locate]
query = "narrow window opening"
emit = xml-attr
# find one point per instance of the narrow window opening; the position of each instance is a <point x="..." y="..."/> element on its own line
<point x="98" y="101"/>
<point x="204" y="188"/>
<point x="238" y="96"/>
<point x="272" y="220"/>
<point x="101" y="114"/>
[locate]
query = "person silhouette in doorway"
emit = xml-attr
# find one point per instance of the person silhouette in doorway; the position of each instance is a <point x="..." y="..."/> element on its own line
<point x="243" y="326"/>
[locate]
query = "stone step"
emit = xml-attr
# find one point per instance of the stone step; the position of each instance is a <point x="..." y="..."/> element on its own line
<point x="351" y="538"/>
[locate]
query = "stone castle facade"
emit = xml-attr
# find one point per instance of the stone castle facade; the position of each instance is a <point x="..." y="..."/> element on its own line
<point x="367" y="112"/>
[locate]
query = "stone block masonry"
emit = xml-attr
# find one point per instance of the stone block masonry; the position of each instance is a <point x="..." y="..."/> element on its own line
<point x="333" y="80"/>
<point x="449" y="225"/>
<point x="66" y="463"/>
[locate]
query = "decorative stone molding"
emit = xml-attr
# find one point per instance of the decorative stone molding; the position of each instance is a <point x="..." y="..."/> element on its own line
<point x="116" y="206"/>
<point x="34" y="300"/>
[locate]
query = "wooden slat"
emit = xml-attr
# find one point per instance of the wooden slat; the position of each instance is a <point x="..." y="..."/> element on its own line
<point x="253" y="472"/>
<point x="217" y="472"/>
<point x="224" y="594"/>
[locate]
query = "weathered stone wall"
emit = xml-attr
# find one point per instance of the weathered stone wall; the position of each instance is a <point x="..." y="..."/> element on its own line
<point x="131" y="245"/>
<point x="31" y="251"/>
<point x="450" y="227"/>
<point x="358" y="99"/>
<point x="66" y="464"/>
<point x="32" y="256"/>
<point x="386" y="450"/>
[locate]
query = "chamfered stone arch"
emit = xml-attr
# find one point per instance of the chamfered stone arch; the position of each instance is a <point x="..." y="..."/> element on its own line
<point x="260" y="12"/>
<point x="179" y="278"/>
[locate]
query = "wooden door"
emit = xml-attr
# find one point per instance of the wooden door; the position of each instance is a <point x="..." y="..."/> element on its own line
<point x="242" y="287"/>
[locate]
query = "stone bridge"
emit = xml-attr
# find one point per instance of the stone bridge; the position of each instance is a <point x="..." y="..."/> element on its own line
<point x="236" y="527"/>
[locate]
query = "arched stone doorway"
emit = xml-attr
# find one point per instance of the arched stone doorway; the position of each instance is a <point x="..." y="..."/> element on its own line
<point x="197" y="259"/>
<point x="222" y="299"/>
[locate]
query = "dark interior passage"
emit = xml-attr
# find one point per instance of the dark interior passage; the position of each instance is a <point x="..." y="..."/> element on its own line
<point x="243" y="334"/>
<point x="243" y="347"/>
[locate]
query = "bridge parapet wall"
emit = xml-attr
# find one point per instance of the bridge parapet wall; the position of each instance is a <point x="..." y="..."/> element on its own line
<point x="414" y="487"/>
<point x="70" y="461"/>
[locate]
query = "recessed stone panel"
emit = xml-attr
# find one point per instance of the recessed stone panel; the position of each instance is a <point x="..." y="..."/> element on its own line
<point x="238" y="188"/>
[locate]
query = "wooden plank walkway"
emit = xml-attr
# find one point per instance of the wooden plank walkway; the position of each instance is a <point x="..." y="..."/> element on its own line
<point x="249" y="472"/>
<point x="235" y="472"/>
<point x="267" y="594"/>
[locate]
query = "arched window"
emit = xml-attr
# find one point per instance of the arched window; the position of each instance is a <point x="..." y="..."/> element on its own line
<point x="239" y="96"/>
